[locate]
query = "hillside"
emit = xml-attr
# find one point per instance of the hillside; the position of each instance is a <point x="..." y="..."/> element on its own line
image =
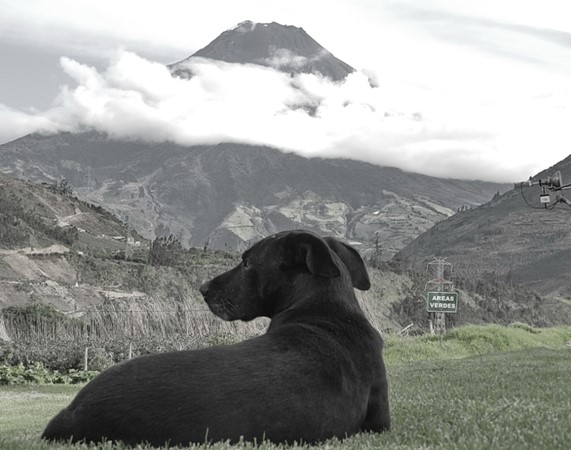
<point x="227" y="195"/>
<point x="88" y="271"/>
<point x="511" y="236"/>
<point x="36" y="216"/>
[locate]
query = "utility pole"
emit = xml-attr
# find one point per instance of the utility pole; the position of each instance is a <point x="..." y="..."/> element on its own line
<point x="89" y="178"/>
<point x="127" y="237"/>
<point x="376" y="259"/>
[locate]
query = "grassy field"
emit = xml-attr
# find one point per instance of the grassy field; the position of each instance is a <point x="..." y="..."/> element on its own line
<point x="477" y="388"/>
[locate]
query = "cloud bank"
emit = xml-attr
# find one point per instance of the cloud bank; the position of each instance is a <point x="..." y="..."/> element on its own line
<point x="134" y="98"/>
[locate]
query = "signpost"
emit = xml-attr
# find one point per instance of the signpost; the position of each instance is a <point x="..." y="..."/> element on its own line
<point x="440" y="297"/>
<point x="442" y="302"/>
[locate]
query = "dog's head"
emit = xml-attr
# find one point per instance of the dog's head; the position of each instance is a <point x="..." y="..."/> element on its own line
<point x="274" y="267"/>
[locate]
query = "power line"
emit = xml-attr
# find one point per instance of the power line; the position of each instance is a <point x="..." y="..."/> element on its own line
<point x="154" y="310"/>
<point x="90" y="311"/>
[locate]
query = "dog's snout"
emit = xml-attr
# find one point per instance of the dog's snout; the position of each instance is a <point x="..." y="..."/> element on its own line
<point x="204" y="288"/>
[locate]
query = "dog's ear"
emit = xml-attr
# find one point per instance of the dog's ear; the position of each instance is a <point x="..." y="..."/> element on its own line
<point x="352" y="261"/>
<point x="312" y="251"/>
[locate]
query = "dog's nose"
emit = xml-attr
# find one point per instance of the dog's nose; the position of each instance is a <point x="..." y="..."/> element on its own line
<point x="204" y="288"/>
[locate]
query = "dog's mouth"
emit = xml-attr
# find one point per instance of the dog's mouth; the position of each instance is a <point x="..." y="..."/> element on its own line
<point x="222" y="308"/>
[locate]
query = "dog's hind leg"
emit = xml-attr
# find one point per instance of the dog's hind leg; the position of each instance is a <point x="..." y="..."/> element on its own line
<point x="58" y="429"/>
<point x="67" y="426"/>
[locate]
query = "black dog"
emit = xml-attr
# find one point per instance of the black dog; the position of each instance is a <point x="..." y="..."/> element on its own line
<point x="317" y="372"/>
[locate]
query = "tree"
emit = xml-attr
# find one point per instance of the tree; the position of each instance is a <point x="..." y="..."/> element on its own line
<point x="62" y="187"/>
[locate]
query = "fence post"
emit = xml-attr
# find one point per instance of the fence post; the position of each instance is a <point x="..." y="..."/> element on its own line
<point x="85" y="359"/>
<point x="3" y="333"/>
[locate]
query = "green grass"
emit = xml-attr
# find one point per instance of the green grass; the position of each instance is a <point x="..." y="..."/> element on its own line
<point x="473" y="340"/>
<point x="478" y="388"/>
<point x="27" y="407"/>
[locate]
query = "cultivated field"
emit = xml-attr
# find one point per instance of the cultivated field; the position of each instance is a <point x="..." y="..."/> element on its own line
<point x="478" y="388"/>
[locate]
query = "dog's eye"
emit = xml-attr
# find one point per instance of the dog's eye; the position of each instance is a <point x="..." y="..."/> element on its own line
<point x="245" y="264"/>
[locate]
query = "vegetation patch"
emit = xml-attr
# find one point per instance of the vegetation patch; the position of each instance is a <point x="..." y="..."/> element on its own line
<point x="25" y="360"/>
<point x="473" y="340"/>
<point x="39" y="374"/>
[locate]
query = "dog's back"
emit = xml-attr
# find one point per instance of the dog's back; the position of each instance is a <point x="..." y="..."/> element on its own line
<point x="317" y="373"/>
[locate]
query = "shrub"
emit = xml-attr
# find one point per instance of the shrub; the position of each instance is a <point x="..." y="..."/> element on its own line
<point x="38" y="373"/>
<point x="64" y="355"/>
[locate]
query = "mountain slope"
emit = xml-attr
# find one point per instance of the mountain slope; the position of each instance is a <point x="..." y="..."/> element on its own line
<point x="513" y="235"/>
<point x="36" y="216"/>
<point x="286" y="48"/>
<point x="227" y="195"/>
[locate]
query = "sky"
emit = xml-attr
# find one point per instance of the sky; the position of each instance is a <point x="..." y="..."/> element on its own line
<point x="463" y="89"/>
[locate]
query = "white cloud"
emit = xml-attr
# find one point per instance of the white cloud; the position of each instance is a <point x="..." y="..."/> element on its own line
<point x="17" y="123"/>
<point x="282" y="57"/>
<point x="138" y="99"/>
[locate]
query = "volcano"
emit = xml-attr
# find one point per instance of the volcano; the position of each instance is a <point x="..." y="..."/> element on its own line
<point x="284" y="47"/>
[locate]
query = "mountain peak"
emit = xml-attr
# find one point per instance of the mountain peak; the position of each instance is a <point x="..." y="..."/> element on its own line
<point x="245" y="26"/>
<point x="283" y="47"/>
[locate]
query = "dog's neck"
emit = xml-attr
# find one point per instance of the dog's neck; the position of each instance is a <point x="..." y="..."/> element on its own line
<point x="324" y="299"/>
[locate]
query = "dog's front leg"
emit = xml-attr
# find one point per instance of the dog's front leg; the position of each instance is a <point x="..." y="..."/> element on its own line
<point x="378" y="417"/>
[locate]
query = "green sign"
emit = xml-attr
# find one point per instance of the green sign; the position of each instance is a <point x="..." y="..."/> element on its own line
<point x="442" y="302"/>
